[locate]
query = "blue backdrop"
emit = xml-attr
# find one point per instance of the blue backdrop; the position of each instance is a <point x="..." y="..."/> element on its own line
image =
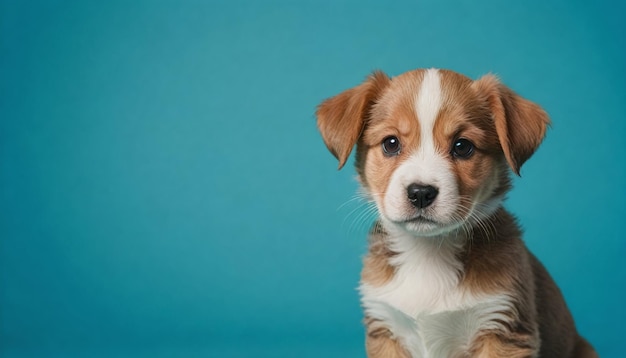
<point x="164" y="190"/>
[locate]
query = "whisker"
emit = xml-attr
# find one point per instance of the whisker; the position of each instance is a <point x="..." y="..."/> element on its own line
<point x="480" y="216"/>
<point x="362" y="214"/>
<point x="354" y="198"/>
<point x="363" y="218"/>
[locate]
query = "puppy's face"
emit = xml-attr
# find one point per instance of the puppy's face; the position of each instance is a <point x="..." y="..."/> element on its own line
<point x="432" y="145"/>
<point x="429" y="154"/>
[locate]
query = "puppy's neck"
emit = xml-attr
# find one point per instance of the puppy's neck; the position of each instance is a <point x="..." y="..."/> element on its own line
<point x="400" y="241"/>
<point x="425" y="272"/>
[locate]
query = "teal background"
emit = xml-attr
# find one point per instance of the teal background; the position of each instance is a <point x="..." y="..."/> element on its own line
<point x="164" y="191"/>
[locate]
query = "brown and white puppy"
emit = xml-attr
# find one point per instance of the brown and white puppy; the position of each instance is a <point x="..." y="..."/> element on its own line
<point x="447" y="274"/>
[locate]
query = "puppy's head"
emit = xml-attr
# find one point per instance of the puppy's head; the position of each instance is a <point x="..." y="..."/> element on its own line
<point x="433" y="146"/>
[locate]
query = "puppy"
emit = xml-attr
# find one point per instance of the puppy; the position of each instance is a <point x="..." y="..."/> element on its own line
<point x="447" y="274"/>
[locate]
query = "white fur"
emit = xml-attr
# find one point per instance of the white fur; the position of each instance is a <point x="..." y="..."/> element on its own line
<point x="428" y="101"/>
<point x="423" y="305"/>
<point x="427" y="270"/>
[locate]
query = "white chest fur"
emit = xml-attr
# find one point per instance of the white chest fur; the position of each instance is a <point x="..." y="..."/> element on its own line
<point x="423" y="305"/>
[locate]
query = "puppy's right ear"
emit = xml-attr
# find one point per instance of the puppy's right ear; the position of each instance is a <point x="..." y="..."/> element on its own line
<point x="341" y="119"/>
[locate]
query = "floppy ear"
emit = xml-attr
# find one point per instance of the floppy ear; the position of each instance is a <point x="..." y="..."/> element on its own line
<point x="341" y="119"/>
<point x="521" y="124"/>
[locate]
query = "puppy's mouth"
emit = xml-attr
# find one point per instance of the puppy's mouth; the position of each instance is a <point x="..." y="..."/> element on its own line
<point x="420" y="219"/>
<point x="424" y="225"/>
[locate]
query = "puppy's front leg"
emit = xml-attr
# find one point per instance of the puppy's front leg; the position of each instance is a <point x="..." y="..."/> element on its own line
<point x="513" y="346"/>
<point x="379" y="342"/>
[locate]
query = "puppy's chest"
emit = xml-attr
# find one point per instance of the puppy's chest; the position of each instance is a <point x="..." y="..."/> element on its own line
<point x="428" y="311"/>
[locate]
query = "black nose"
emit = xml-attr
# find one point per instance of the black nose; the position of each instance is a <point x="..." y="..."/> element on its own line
<point x="421" y="195"/>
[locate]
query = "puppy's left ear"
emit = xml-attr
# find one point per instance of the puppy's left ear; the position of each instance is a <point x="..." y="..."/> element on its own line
<point x="521" y="124"/>
<point x="341" y="119"/>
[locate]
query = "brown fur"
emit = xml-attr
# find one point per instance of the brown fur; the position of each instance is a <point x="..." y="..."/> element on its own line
<point x="380" y="342"/>
<point x="341" y="118"/>
<point x="392" y="116"/>
<point x="521" y="124"/>
<point x="376" y="268"/>
<point x="506" y="129"/>
<point x="492" y="346"/>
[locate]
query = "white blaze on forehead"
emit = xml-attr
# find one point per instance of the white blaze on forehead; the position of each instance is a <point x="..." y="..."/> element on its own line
<point x="427" y="166"/>
<point x="427" y="105"/>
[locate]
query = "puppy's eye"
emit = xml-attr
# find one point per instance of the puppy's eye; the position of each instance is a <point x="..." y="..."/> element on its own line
<point x="462" y="148"/>
<point x="391" y="146"/>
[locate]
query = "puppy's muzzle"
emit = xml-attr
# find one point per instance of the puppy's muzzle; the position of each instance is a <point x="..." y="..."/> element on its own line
<point x="421" y="196"/>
